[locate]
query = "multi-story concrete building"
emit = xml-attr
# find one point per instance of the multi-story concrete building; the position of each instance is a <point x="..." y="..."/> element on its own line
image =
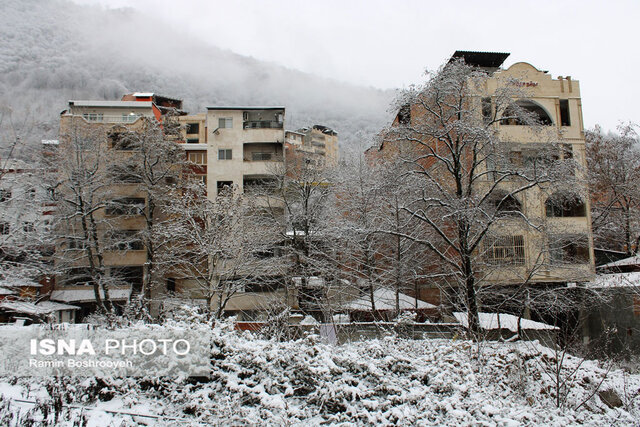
<point x="558" y="248"/>
<point x="318" y="145"/>
<point x="100" y="127"/>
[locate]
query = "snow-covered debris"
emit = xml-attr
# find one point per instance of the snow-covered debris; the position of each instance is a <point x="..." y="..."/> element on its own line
<point x="489" y="321"/>
<point x="615" y="280"/>
<point x="385" y="299"/>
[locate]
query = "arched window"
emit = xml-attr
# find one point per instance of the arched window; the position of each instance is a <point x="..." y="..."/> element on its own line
<point x="565" y="205"/>
<point x="529" y="108"/>
<point x="506" y="204"/>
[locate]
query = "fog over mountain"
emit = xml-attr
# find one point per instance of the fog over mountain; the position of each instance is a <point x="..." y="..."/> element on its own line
<point x="54" y="50"/>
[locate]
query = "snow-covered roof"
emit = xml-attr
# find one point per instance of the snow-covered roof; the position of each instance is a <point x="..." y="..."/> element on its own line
<point x="489" y="321"/>
<point x="120" y="104"/>
<point x="43" y="307"/>
<point x="634" y="260"/>
<point x="143" y="94"/>
<point x="246" y="107"/>
<point x="385" y="299"/>
<point x="615" y="280"/>
<point x="19" y="282"/>
<point x="5" y="291"/>
<point x="87" y="295"/>
<point x="50" y="142"/>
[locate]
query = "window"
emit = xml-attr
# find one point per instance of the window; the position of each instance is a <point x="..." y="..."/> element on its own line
<point x="78" y="276"/>
<point x="486" y="109"/>
<point x="124" y="141"/>
<point x="171" y="284"/>
<point x="76" y="243"/>
<point x="125" y="240"/>
<point x="93" y="117"/>
<point x="193" y="141"/>
<point x="569" y="250"/>
<point x="128" y="275"/>
<point x="199" y="158"/>
<point x="31" y="193"/>
<point x="565" y="120"/>
<point x="224" y="154"/>
<point x="256" y="156"/>
<point x="526" y="111"/>
<point x="126" y="206"/>
<point x="28" y="227"/>
<point x="505" y="250"/>
<point x="5" y="228"/>
<point x="193" y="128"/>
<point x="129" y="117"/>
<point x="225" y="123"/>
<point x="224" y="186"/>
<point x="5" y="195"/>
<point x="404" y="115"/>
<point x="506" y="205"/>
<point x="564" y="205"/>
<point x="126" y="174"/>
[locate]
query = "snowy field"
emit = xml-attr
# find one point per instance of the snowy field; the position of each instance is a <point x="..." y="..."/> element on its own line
<point x="384" y="382"/>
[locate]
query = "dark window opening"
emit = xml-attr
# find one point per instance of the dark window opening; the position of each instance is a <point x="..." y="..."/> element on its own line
<point x="28" y="227"/>
<point x="567" y="151"/>
<point x="128" y="275"/>
<point x="125" y="174"/>
<point x="565" y="120"/>
<point x="265" y="284"/>
<point x="507" y="204"/>
<point x="193" y="140"/>
<point x="5" y="228"/>
<point x="126" y="206"/>
<point x="224" y="186"/>
<point x="571" y="250"/>
<point x="526" y="113"/>
<point x="126" y="240"/>
<point x="486" y="109"/>
<point x="193" y="128"/>
<point x="78" y="276"/>
<point x="404" y="115"/>
<point x="122" y="141"/>
<point x="171" y="284"/>
<point x="564" y="205"/>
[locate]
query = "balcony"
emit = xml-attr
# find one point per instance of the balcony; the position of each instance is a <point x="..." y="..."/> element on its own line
<point x="101" y="118"/>
<point x="262" y="124"/>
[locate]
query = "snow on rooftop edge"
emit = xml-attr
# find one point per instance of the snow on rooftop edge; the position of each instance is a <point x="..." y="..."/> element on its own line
<point x="385" y="299"/>
<point x="633" y="260"/>
<point x="615" y="280"/>
<point x="489" y="321"/>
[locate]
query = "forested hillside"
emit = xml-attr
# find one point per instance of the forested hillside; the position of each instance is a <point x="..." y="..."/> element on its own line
<point x="54" y="50"/>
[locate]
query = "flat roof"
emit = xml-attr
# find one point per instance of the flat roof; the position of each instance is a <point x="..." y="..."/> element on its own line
<point x="123" y="104"/>
<point x="481" y="59"/>
<point x="246" y="107"/>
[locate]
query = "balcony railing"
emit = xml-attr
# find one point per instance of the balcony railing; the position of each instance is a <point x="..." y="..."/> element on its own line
<point x="263" y="124"/>
<point x="101" y="118"/>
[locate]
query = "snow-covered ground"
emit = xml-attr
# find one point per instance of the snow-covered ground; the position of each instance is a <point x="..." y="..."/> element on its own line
<point x="388" y="382"/>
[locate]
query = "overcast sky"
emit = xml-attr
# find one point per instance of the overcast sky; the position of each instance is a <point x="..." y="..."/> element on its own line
<point x="388" y="44"/>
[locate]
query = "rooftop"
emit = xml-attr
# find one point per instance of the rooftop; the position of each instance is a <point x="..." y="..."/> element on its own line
<point x="120" y="104"/>
<point x="246" y="107"/>
<point x="481" y="59"/>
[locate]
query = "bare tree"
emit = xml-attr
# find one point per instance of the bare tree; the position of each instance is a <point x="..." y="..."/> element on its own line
<point x="614" y="182"/>
<point x="469" y="180"/>
<point x="81" y="192"/>
<point x="217" y="246"/>
<point x="298" y="200"/>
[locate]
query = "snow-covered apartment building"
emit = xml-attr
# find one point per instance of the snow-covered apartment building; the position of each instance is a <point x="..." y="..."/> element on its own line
<point x="239" y="146"/>
<point x="559" y="249"/>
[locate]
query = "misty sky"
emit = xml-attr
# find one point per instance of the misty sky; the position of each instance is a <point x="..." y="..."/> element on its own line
<point x="388" y="44"/>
